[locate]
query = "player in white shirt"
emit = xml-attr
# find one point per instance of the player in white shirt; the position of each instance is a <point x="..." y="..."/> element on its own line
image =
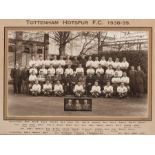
<point x="47" y="62"/>
<point x="51" y="69"/>
<point x="122" y="90"/>
<point x="79" y="70"/>
<point x="95" y="90"/>
<point x="125" y="79"/>
<point x="55" y="62"/>
<point x="58" y="89"/>
<point x="68" y="71"/>
<point x="33" y="69"/>
<point x="108" y="90"/>
<point x="78" y="89"/>
<point x="89" y="62"/>
<point x="110" y="62"/>
<point x="40" y="61"/>
<point x="109" y="73"/>
<point x="115" y="82"/>
<point x="119" y="71"/>
<point x="43" y="69"/>
<point x="116" y="63"/>
<point x="96" y="63"/>
<point x="90" y="70"/>
<point x="100" y="70"/>
<point x="36" y="89"/>
<point x="116" y="79"/>
<point x="124" y="64"/>
<point x="32" y="77"/>
<point x="59" y="70"/>
<point x="47" y="88"/>
<point x="61" y="61"/>
<point x="32" y="62"/>
<point x="103" y="62"/>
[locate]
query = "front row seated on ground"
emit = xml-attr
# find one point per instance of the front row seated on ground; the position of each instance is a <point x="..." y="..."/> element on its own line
<point x="108" y="90"/>
<point x="47" y="89"/>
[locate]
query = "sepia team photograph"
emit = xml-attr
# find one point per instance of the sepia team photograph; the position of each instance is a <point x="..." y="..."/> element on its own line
<point x="77" y="74"/>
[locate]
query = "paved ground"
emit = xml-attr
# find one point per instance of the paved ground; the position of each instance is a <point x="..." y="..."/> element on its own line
<point x="20" y="105"/>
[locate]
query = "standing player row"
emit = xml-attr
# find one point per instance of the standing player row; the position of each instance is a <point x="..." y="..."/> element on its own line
<point x="123" y="64"/>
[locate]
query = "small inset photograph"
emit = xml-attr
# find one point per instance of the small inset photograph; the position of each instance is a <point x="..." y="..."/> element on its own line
<point x="77" y="104"/>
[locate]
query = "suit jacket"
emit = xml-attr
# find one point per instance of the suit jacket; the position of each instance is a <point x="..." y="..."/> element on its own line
<point x="16" y="74"/>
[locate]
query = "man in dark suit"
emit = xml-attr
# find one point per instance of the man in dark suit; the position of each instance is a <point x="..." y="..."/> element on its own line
<point x="89" y="83"/>
<point x="25" y="80"/>
<point x="16" y="77"/>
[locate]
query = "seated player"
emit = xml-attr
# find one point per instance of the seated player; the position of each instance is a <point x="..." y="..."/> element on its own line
<point x="124" y="64"/>
<point x="115" y="82"/>
<point x="116" y="63"/>
<point x="119" y="71"/>
<point x="95" y="90"/>
<point x="41" y="77"/>
<point x="61" y="61"/>
<point x="100" y="70"/>
<point x="108" y="90"/>
<point x="96" y="63"/>
<point x="90" y="70"/>
<point x="33" y="69"/>
<point x="32" y="78"/>
<point x="69" y="105"/>
<point x="59" y="70"/>
<point x="57" y="77"/>
<point x="47" y="62"/>
<point x="125" y="79"/>
<point x="69" y="71"/>
<point x="74" y="80"/>
<point x="103" y="62"/>
<point x="32" y="62"/>
<point x="67" y="84"/>
<point x="110" y="62"/>
<point x="116" y="79"/>
<point x="51" y="69"/>
<point x="122" y="90"/>
<point x="78" y="105"/>
<point x="43" y="69"/>
<point x="40" y="62"/>
<point x="109" y="73"/>
<point x="36" y="89"/>
<point x="82" y="79"/>
<point x="55" y="62"/>
<point x="89" y="62"/>
<point x="79" y="70"/>
<point x="58" y="89"/>
<point x="78" y="89"/>
<point x="47" y="88"/>
<point x="99" y="78"/>
<point x="89" y="83"/>
<point x="49" y="77"/>
<point x="86" y="105"/>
